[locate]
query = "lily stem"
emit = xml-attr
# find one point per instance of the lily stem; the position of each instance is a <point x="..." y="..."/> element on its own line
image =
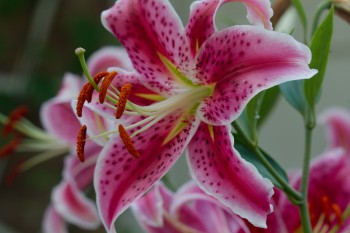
<point x="303" y="208"/>
<point x="320" y="8"/>
<point x="290" y="191"/>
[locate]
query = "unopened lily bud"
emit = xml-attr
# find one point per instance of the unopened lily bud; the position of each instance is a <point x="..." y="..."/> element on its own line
<point x="342" y="8"/>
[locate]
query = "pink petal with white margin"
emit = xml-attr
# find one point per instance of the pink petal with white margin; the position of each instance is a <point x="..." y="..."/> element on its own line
<point x="201" y="23"/>
<point x="56" y="114"/>
<point x="148" y="28"/>
<point x="53" y="222"/>
<point x="81" y="174"/>
<point x="221" y="172"/>
<point x="74" y="207"/>
<point x="149" y="209"/>
<point x="337" y="121"/>
<point x="248" y="61"/>
<point x="120" y="178"/>
<point x="107" y="57"/>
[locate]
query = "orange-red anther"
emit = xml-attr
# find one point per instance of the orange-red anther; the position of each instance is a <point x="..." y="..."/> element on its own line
<point x="14" y="116"/>
<point x="128" y="142"/>
<point x="123" y="98"/>
<point x="105" y="84"/>
<point x="338" y="213"/>
<point x="86" y="93"/>
<point x="98" y="77"/>
<point x="81" y="143"/>
<point x="11" y="146"/>
<point x="326" y="208"/>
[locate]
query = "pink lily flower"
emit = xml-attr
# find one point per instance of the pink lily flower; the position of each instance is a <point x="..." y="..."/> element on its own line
<point x="329" y="185"/>
<point x="188" y="210"/>
<point x="199" y="81"/>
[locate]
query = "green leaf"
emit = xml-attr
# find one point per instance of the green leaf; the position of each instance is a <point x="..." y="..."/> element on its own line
<point x="320" y="47"/>
<point x="250" y="156"/>
<point x="268" y="103"/>
<point x="301" y="12"/>
<point x="249" y="117"/>
<point x="294" y="93"/>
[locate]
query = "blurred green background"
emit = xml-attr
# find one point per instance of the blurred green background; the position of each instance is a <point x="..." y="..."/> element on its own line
<point x="37" y="42"/>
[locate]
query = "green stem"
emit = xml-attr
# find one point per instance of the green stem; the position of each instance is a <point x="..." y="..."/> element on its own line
<point x="303" y="208"/>
<point x="291" y="192"/>
<point x="320" y="8"/>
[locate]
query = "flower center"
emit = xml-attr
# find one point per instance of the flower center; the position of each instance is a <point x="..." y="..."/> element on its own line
<point x="185" y="103"/>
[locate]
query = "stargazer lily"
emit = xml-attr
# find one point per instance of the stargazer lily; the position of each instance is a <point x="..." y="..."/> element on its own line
<point x="329" y="185"/>
<point x="198" y="81"/>
<point x="187" y="210"/>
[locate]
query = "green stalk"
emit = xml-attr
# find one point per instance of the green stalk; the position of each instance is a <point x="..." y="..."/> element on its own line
<point x="320" y="8"/>
<point x="290" y="191"/>
<point x="303" y="208"/>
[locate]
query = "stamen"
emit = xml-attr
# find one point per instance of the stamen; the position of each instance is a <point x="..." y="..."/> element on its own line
<point x="123" y="97"/>
<point x="86" y="93"/>
<point x="338" y="213"/>
<point x="326" y="208"/>
<point x="128" y="142"/>
<point x="11" y="146"/>
<point x="98" y="77"/>
<point x="105" y="84"/>
<point x="14" y="116"/>
<point x="81" y="143"/>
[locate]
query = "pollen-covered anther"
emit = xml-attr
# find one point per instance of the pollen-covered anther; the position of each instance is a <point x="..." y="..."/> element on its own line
<point x="86" y="93"/>
<point x="81" y="143"/>
<point x="11" y="146"/>
<point x="123" y="98"/>
<point x="338" y="213"/>
<point x="128" y="142"/>
<point x="105" y="84"/>
<point x="14" y="116"/>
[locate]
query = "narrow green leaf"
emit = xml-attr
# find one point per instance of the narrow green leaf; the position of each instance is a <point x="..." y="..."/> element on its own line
<point x="268" y="103"/>
<point x="301" y="12"/>
<point x="294" y="93"/>
<point x="320" y="47"/>
<point x="250" y="156"/>
<point x="249" y="118"/>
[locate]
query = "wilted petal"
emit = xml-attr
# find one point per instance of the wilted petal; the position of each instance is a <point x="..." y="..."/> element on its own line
<point x="337" y="123"/>
<point x="53" y="222"/>
<point x="244" y="60"/>
<point x="120" y="178"/>
<point x="221" y="172"/>
<point x="74" y="206"/>
<point x="107" y="57"/>
<point x="56" y="114"/>
<point x="201" y="23"/>
<point x="149" y="30"/>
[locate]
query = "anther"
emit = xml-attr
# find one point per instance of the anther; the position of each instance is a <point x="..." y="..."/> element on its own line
<point x="128" y="142"/>
<point x="14" y="116"/>
<point x="338" y="213"/>
<point x="326" y="208"/>
<point x="11" y="146"/>
<point x="81" y="143"/>
<point x="86" y="93"/>
<point x="105" y="84"/>
<point x="123" y="98"/>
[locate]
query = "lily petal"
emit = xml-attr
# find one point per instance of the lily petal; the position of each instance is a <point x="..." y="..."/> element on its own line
<point x="56" y="114"/>
<point x="337" y="122"/>
<point x="106" y="57"/>
<point x="242" y="61"/>
<point x="74" y="206"/>
<point x="149" y="209"/>
<point x="119" y="178"/>
<point x="151" y="32"/>
<point x="53" y="223"/>
<point x="201" y="23"/>
<point x="220" y="171"/>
